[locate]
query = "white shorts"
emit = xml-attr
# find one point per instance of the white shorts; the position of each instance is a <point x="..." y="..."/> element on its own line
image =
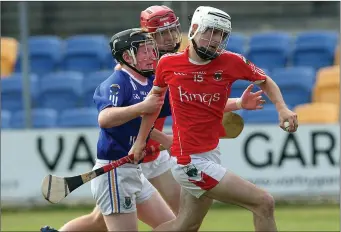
<point x="155" y="168"/>
<point x="119" y="190"/>
<point x="202" y="174"/>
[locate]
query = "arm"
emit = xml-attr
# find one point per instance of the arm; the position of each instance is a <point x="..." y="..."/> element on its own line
<point x="162" y="138"/>
<point x="233" y="104"/>
<point x="116" y="116"/>
<point x="149" y="119"/>
<point x="272" y="90"/>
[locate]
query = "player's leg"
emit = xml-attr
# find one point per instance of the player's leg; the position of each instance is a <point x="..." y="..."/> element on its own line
<point x="160" y="176"/>
<point x="115" y="194"/>
<point x="233" y="189"/>
<point x="89" y="222"/>
<point x="151" y="207"/>
<point x="121" y="221"/>
<point x="169" y="189"/>
<point x="192" y="212"/>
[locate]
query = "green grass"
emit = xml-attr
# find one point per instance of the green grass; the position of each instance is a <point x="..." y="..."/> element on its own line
<point x="289" y="218"/>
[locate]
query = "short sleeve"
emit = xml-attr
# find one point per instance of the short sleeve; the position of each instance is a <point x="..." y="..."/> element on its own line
<point x="250" y="71"/>
<point x="111" y="94"/>
<point x="159" y="80"/>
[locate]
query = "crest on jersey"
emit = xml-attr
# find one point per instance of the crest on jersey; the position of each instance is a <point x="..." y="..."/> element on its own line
<point x="190" y="170"/>
<point x="218" y="75"/>
<point x="114" y="89"/>
<point x="127" y="203"/>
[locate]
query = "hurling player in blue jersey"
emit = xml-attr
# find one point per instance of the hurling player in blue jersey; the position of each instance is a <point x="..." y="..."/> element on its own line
<point x="121" y="100"/>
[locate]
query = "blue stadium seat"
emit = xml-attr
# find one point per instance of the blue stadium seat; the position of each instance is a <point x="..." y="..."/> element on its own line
<point x="81" y="117"/>
<point x="85" y="53"/>
<point x="45" y="53"/>
<point x="11" y="91"/>
<point x="91" y="82"/>
<point x="110" y="62"/>
<point x="5" y="119"/>
<point x="236" y="43"/>
<point x="61" y="90"/>
<point x="315" y="48"/>
<point x="41" y="118"/>
<point x="296" y="84"/>
<point x="239" y="86"/>
<point x="266" y="115"/>
<point x="269" y="50"/>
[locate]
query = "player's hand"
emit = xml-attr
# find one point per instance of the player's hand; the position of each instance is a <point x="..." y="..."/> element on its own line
<point x="252" y="101"/>
<point x="138" y="149"/>
<point x="152" y="103"/>
<point x="287" y="115"/>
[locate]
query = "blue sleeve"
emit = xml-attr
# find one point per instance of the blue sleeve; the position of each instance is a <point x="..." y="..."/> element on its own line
<point x="112" y="92"/>
<point x="166" y="108"/>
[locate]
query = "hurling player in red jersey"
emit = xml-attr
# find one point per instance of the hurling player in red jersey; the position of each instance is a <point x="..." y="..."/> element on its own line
<point x="199" y="80"/>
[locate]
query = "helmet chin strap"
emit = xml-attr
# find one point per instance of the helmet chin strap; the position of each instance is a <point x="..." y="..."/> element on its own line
<point x="202" y="53"/>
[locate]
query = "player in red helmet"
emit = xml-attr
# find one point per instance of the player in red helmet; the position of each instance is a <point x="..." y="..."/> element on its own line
<point x="162" y="23"/>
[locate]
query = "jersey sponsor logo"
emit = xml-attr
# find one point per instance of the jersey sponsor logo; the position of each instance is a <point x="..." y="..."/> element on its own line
<point x="206" y="98"/>
<point x="218" y="75"/>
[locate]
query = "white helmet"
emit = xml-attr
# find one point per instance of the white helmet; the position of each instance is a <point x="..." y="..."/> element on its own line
<point x="207" y="17"/>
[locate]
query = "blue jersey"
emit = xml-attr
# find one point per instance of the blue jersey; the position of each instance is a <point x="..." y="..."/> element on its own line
<point x="166" y="109"/>
<point x="121" y="90"/>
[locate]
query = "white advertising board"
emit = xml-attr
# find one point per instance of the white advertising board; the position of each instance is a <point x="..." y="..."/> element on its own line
<point x="303" y="163"/>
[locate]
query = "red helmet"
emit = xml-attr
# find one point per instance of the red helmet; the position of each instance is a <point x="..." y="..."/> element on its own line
<point x="162" y="23"/>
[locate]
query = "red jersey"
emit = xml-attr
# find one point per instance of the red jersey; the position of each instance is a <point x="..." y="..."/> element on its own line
<point x="198" y="95"/>
<point x="159" y="123"/>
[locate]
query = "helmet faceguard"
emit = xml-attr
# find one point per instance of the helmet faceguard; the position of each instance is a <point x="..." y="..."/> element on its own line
<point x="212" y="29"/>
<point x="162" y="23"/>
<point x="132" y="41"/>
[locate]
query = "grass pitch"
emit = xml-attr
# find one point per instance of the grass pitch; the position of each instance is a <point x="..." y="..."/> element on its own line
<point x="289" y="218"/>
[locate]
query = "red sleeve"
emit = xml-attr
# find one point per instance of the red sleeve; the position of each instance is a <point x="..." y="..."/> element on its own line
<point x="249" y="70"/>
<point x="159" y="75"/>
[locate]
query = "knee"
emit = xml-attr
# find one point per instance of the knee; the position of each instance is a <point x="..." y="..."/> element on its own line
<point x="266" y="206"/>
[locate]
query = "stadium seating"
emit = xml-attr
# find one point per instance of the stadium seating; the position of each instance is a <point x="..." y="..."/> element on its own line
<point x="269" y="50"/>
<point x="85" y="53"/>
<point x="236" y="43"/>
<point x="41" y="118"/>
<point x="11" y="91"/>
<point x="267" y="115"/>
<point x="5" y="119"/>
<point x="45" y="54"/>
<point x="296" y="84"/>
<point x="317" y="113"/>
<point x="315" y="49"/>
<point x="337" y="55"/>
<point x="81" y="117"/>
<point x="109" y="62"/>
<point x="9" y="52"/>
<point x="327" y="88"/>
<point x="61" y="90"/>
<point x="91" y="82"/>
